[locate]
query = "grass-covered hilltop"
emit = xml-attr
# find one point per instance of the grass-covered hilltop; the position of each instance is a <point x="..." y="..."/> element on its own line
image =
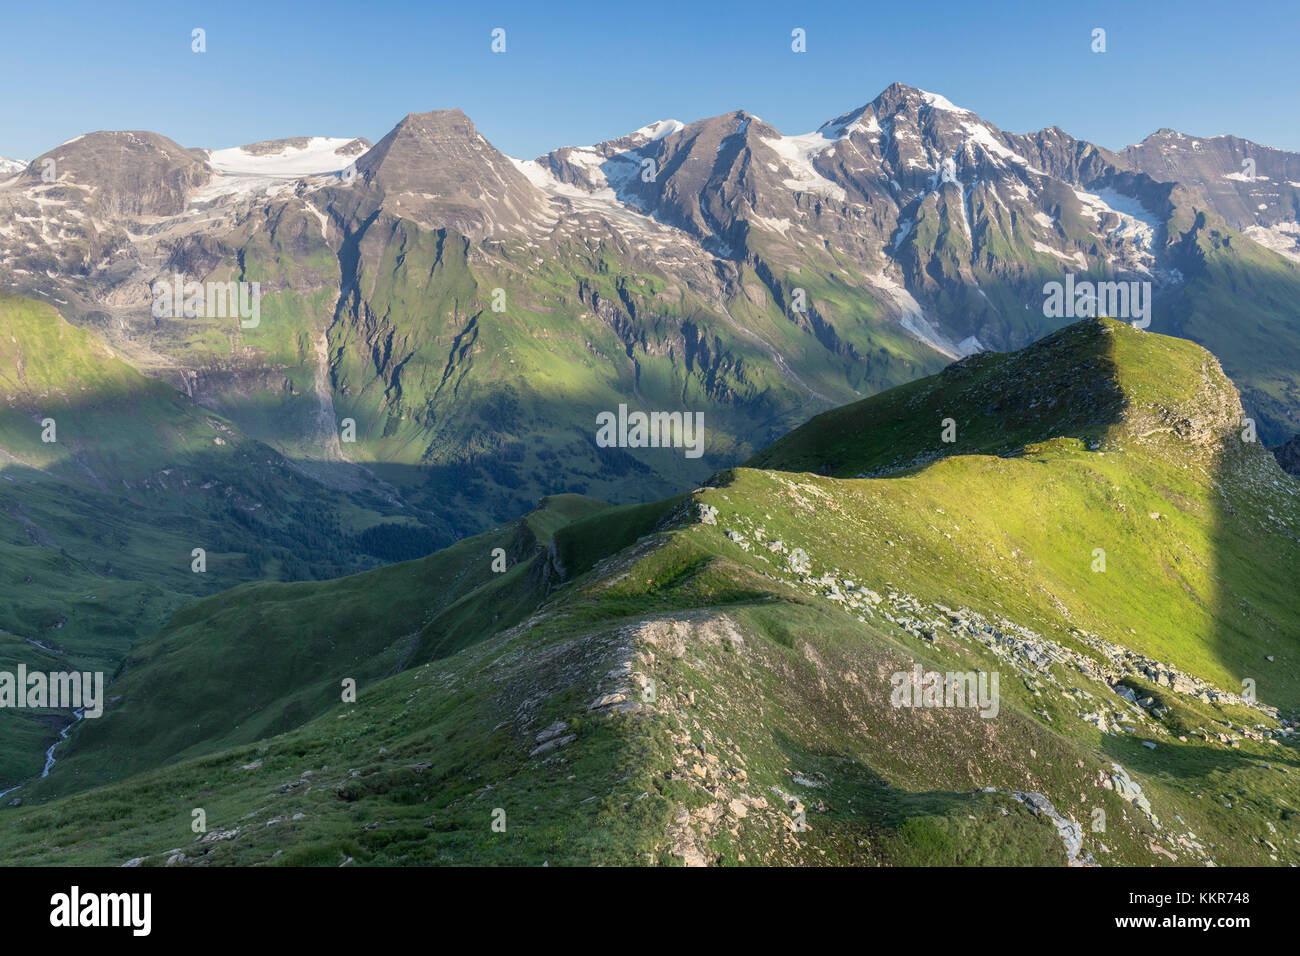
<point x="711" y="678"/>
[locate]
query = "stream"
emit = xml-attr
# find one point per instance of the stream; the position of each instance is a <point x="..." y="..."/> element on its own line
<point x="49" y="754"/>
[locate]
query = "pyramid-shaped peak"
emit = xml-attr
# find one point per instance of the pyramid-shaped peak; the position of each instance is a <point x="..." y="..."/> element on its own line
<point x="419" y="137"/>
<point x="437" y="169"/>
<point x="435" y="121"/>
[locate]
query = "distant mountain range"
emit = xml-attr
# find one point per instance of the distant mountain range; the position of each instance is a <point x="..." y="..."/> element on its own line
<point x="720" y="265"/>
<point x="934" y="437"/>
<point x="472" y="313"/>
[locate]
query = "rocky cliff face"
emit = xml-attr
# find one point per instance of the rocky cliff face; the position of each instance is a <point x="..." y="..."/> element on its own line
<point x="948" y="223"/>
<point x="1256" y="189"/>
<point x="1288" y="456"/>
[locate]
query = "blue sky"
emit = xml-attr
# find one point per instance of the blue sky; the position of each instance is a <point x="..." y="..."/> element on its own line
<point x="575" y="73"/>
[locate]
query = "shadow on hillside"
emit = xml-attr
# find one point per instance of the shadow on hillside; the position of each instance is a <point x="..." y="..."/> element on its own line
<point x="1255" y="562"/>
<point x="858" y="818"/>
<point x="1259" y="343"/>
<point x="1226" y="586"/>
<point x="1062" y="386"/>
<point x="1189" y="761"/>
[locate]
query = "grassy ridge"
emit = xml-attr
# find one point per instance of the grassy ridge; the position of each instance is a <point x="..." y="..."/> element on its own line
<point x="708" y="680"/>
<point x="273" y="655"/>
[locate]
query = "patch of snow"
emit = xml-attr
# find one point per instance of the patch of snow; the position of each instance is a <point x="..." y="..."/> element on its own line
<point x="870" y="125"/>
<point x="980" y="134"/>
<point x="538" y="175"/>
<point x="935" y="101"/>
<point x="319" y="156"/>
<point x="1136" y="222"/>
<point x="912" y="318"/>
<point x="904" y="230"/>
<point x="606" y="200"/>
<point x="773" y="225"/>
<point x="585" y="157"/>
<point x="798" y="153"/>
<point x="320" y="217"/>
<point x="1283" y="237"/>
<point x="658" y="130"/>
<point x="1075" y="258"/>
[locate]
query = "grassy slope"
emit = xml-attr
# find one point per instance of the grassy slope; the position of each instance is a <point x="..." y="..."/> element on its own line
<point x="1103" y="427"/>
<point x="97" y="527"/>
<point x="273" y="655"/>
<point x="771" y="685"/>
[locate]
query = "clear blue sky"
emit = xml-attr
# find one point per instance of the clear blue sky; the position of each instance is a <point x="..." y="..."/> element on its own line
<point x="575" y="73"/>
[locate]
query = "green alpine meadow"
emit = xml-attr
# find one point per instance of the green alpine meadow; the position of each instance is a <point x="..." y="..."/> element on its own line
<point x="511" y="480"/>
<point x="712" y="678"/>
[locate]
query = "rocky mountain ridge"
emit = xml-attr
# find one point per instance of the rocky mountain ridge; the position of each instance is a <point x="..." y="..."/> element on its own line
<point x="719" y="265"/>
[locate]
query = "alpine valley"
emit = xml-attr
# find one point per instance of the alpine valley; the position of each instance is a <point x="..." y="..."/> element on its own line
<point x="565" y="649"/>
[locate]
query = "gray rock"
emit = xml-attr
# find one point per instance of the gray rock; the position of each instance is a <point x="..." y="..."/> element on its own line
<point x="554" y="730"/>
<point x="552" y="744"/>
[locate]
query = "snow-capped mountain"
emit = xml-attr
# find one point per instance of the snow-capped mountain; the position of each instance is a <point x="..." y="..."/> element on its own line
<point x="881" y="184"/>
<point x="1256" y="189"/>
<point x="762" y="274"/>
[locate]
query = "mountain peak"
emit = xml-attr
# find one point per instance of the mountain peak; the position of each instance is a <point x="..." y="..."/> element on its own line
<point x="899" y="94"/>
<point x="729" y="124"/>
<point x="438" y="169"/>
<point x="895" y="99"/>
<point x="427" y="122"/>
<point x="1091" y="381"/>
<point x="130" y="172"/>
